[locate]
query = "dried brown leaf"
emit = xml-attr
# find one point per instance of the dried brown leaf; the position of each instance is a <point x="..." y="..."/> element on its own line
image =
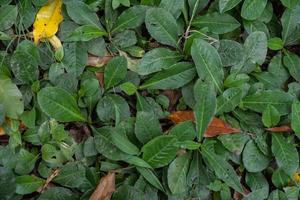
<point x="284" y="128"/>
<point x="216" y="127"/>
<point x="105" y="188"/>
<point x="96" y="61"/>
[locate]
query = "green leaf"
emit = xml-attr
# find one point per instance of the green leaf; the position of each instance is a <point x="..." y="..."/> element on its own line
<point x="286" y="154"/>
<point x="222" y="169"/>
<point x="208" y="63"/>
<point x="229" y="100"/>
<point x="184" y="131"/>
<point x="26" y="162"/>
<point x="174" y="7"/>
<point x="205" y="108"/>
<point x="4" y="36"/>
<point x="10" y="98"/>
<point x="216" y="23"/>
<point x="160" y="151"/>
<point x="147" y="131"/>
<point x="290" y="26"/>
<point x="231" y="52"/>
<point x="254" y="160"/>
<point x="177" y="173"/>
<point x="280" y="178"/>
<point x="57" y="193"/>
<point x="275" y="44"/>
<point x="291" y="62"/>
<point x="122" y="142"/>
<point x="162" y="26"/>
<point x="172" y="78"/>
<point x="27" y="184"/>
<point x="270" y="116"/>
<point x="25" y="61"/>
<point x="290" y="3"/>
<point x="113" y="107"/>
<point x="136" y="161"/>
<point x="85" y="33"/>
<point x="82" y="14"/>
<point x="225" y="5"/>
<point x="257" y="181"/>
<point x="131" y="18"/>
<point x="234" y="142"/>
<point x="8" y="16"/>
<point x="295" y="121"/>
<point x="259" y="101"/>
<point x="256" y="47"/>
<point x="59" y="104"/>
<point x="117" y="3"/>
<point x="253" y="9"/>
<point x="150" y="177"/>
<point x="156" y="60"/>
<point x="115" y="71"/>
<point x="104" y="144"/>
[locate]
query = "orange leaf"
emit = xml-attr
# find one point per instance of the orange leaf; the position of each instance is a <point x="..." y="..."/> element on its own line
<point x="105" y="188"/>
<point x="2" y="131"/>
<point x="284" y="128"/>
<point x="215" y="128"/>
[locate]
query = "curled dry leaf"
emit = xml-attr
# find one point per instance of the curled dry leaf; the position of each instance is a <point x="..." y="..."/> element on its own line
<point x="105" y="188"/>
<point x="48" y="181"/>
<point x="47" y="20"/>
<point x="96" y="61"/>
<point x="216" y="127"/>
<point x="284" y="128"/>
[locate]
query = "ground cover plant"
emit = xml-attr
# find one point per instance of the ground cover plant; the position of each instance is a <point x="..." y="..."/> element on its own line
<point x="150" y="99"/>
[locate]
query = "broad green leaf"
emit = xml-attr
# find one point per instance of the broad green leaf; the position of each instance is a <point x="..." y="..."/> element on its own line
<point x="10" y="98"/>
<point x="136" y="161"/>
<point x="276" y="76"/>
<point x="222" y="169"/>
<point x="177" y="173"/>
<point x="234" y="142"/>
<point x="147" y="131"/>
<point x="162" y="26"/>
<point x="25" y="61"/>
<point x="290" y="3"/>
<point x="231" y="52"/>
<point x="122" y="142"/>
<point x="156" y="60"/>
<point x="270" y="116"/>
<point x="285" y="153"/>
<point x="4" y="36"/>
<point x="295" y="121"/>
<point x="160" y="151"/>
<point x="290" y="26"/>
<point x="150" y="177"/>
<point x="7" y="181"/>
<point x="82" y="14"/>
<point x="172" y="78"/>
<point x="292" y="62"/>
<point x="229" y="100"/>
<point x="174" y="7"/>
<point x="71" y="175"/>
<point x="27" y="184"/>
<point x="280" y="178"/>
<point x="75" y="58"/>
<point x="208" y="63"/>
<point x="113" y="107"/>
<point x="8" y="16"/>
<point x="254" y="160"/>
<point x="253" y="9"/>
<point x="256" y="25"/>
<point x="117" y="3"/>
<point x="205" y="108"/>
<point x="256" y="47"/>
<point x="292" y="192"/>
<point x="275" y="44"/>
<point x="225" y="5"/>
<point x="85" y="33"/>
<point x="216" y="23"/>
<point x="184" y="131"/>
<point x="115" y="71"/>
<point x="259" y="101"/>
<point x="125" y="39"/>
<point x="59" y="104"/>
<point x="131" y="18"/>
<point x="57" y="193"/>
<point x="104" y="144"/>
<point x="26" y="162"/>
<point x="277" y="194"/>
<point x="257" y="181"/>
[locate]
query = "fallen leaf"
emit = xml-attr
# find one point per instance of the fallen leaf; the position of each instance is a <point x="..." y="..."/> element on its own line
<point x="173" y="96"/>
<point x="96" y="61"/>
<point x="105" y="188"/>
<point x="47" y="20"/>
<point x="48" y="181"/>
<point x="2" y="131"/>
<point x="284" y="128"/>
<point x="216" y="127"/>
<point x="100" y="77"/>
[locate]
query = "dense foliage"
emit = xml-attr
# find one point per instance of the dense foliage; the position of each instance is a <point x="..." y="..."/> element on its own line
<point x="101" y="103"/>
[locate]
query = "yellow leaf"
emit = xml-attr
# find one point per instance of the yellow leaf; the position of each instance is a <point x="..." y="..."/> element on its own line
<point x="47" y="20"/>
<point x="2" y="131"/>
